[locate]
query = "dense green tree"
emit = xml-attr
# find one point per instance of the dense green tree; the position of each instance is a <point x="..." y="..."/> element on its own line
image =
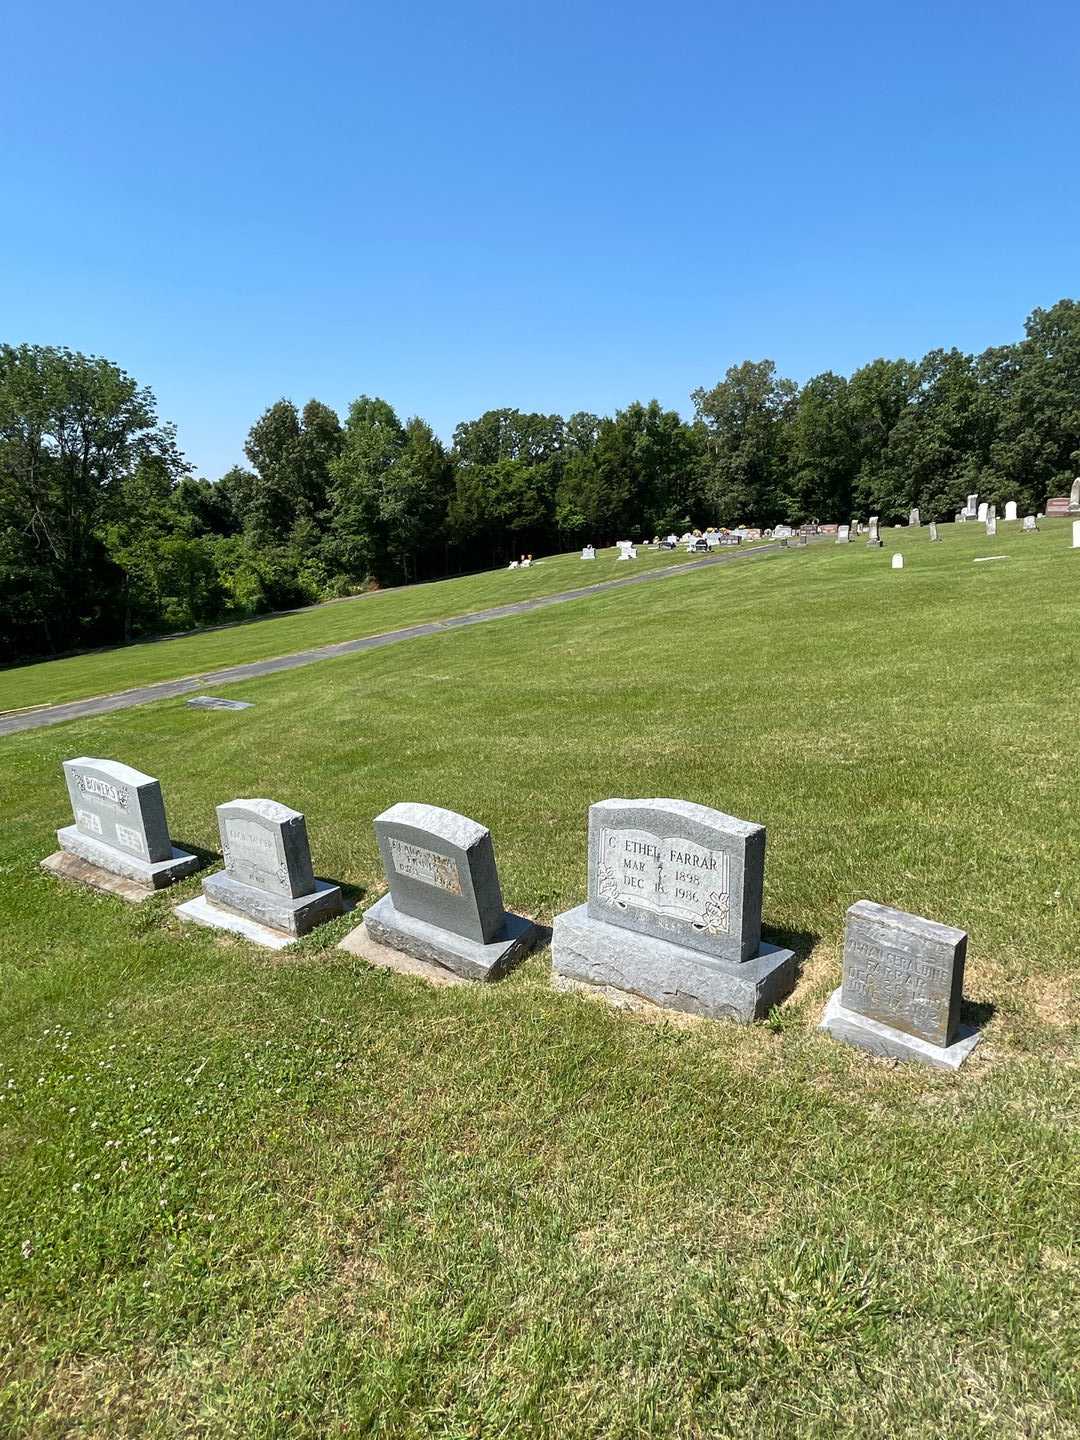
<point x="507" y="471"/>
<point x="744" y="419"/>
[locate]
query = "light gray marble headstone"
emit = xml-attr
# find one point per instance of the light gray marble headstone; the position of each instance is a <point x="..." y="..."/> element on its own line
<point x="1029" y="523"/>
<point x="1010" y="510"/>
<point x="972" y="507"/>
<point x="933" y="530"/>
<point x="843" y="535"/>
<point x="678" y="871"/>
<point x="991" y="525"/>
<point x="1074" y="495"/>
<point x="441" y="868"/>
<point x="265" y="845"/>
<point x="984" y="510"/>
<point x="913" y="518"/>
<point x="118" y="806"/>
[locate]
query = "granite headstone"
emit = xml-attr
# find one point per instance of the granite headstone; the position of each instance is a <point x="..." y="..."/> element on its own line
<point x="933" y="531"/>
<point x="445" y="904"/>
<point x="874" y="540"/>
<point x="673" y="912"/>
<point x="902" y="982"/>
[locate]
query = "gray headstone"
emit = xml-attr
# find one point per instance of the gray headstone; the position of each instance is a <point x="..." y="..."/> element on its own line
<point x="1074" y="495"/>
<point x="984" y="510"/>
<point x="215" y="702"/>
<point x="972" y="507"/>
<point x="875" y="535"/>
<point x="959" y="517"/>
<point x="120" y="824"/>
<point x="991" y="525"/>
<point x="902" y="983"/>
<point x="1010" y="509"/>
<point x="933" y="530"/>
<point x="441" y="868"/>
<point x="843" y="535"/>
<point x="913" y="518"/>
<point x="674" y="911"/>
<point x="118" y="806"/>
<point x="1029" y="523"/>
<point x="445" y="904"/>
<point x="268" y="876"/>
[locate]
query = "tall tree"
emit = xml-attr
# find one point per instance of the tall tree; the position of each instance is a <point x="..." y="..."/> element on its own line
<point x="744" y="420"/>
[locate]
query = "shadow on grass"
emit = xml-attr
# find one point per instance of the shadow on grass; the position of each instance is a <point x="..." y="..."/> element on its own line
<point x="801" y="941"/>
<point x="976" y="1013"/>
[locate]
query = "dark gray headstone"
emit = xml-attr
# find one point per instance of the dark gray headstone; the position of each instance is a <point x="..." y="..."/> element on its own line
<point x="440" y="867"/>
<point x="903" y="978"/>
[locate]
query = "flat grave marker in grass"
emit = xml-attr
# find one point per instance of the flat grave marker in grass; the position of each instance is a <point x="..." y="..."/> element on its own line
<point x="267" y="891"/>
<point x="900" y="996"/>
<point x="674" y="911"/>
<point x="120" y="839"/>
<point x="445" y="905"/>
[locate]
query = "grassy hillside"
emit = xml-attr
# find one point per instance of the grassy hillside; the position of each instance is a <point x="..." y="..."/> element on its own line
<point x="106" y="671"/>
<point x="287" y="1196"/>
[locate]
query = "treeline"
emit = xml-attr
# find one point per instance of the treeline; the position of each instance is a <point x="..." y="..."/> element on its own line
<point x="105" y="535"/>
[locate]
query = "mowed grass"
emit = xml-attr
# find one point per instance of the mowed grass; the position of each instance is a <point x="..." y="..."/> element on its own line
<point x="286" y="1195"/>
<point x="103" y="672"/>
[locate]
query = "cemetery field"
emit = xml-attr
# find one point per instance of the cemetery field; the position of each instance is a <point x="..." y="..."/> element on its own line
<point x="103" y="672"/>
<point x="248" y="1194"/>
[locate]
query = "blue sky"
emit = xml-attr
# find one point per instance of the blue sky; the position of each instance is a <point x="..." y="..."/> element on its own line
<point x="557" y="207"/>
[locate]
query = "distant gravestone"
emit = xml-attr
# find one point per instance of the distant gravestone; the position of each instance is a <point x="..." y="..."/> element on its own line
<point x="971" y="509"/>
<point x="991" y="525"/>
<point x="120" y="830"/>
<point x="933" y="531"/>
<point x="913" y="518"/>
<point x="589" y="552"/>
<point x="445" y="904"/>
<point x="991" y="512"/>
<point x="267" y="890"/>
<point x="959" y="517"/>
<point x="1010" y="509"/>
<point x="215" y="702"/>
<point x="984" y="510"/>
<point x="1076" y="535"/>
<point x="874" y="542"/>
<point x="1029" y="524"/>
<point x="843" y="535"/>
<point x="1074" y="496"/>
<point x="674" y="911"/>
<point x="898" y="562"/>
<point x="902" y="983"/>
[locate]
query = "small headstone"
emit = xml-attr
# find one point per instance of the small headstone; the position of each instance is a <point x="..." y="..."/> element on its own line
<point x="1029" y="524"/>
<point x="589" y="552"/>
<point x="898" y="562"/>
<point x="874" y="542"/>
<point x="991" y="525"/>
<point x="913" y="518"/>
<point x="674" y="911"/>
<point x="514" y="564"/>
<point x="215" y="702"/>
<point x="971" y="509"/>
<point x="843" y="535"/>
<point x="933" y="531"/>
<point x="267" y="891"/>
<point x="120" y="829"/>
<point x="959" y="517"/>
<point x="1010" y="509"/>
<point x="991" y="513"/>
<point x="1074" y="496"/>
<point x="445" y="904"/>
<point x="984" y="510"/>
<point x="902" y="983"/>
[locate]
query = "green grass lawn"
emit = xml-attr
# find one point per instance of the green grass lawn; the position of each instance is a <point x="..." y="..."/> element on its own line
<point x="105" y="671"/>
<point x="248" y="1194"/>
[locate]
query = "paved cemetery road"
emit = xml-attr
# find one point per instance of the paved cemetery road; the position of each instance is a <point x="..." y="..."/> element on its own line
<point x="17" y="720"/>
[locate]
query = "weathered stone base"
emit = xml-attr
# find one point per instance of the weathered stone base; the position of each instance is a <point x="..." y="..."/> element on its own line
<point x="470" y="958"/>
<point x="81" y="872"/>
<point x="200" y="912"/>
<point x="610" y="957"/>
<point x="878" y="1039"/>
<point x="384" y="957"/>
<point x="874" y="544"/>
<point x="117" y="862"/>
<point x="280" y="912"/>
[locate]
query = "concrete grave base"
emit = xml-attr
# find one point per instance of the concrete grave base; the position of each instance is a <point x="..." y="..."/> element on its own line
<point x="613" y="958"/>
<point x="200" y="912"/>
<point x="384" y="957"/>
<point x="131" y="867"/>
<point x="871" y="1035"/>
<point x="81" y="872"/>
<point x="472" y="959"/>
<point x="293" y="917"/>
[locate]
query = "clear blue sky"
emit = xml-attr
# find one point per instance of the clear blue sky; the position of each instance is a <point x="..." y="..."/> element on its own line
<point x="554" y="206"/>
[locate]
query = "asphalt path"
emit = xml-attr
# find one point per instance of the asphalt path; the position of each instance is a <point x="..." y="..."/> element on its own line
<point x="16" y="720"/>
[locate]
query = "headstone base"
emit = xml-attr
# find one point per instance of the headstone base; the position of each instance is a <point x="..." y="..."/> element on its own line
<point x="200" y="912"/>
<point x="293" y="916"/>
<point x="384" y="957"/>
<point x="387" y="926"/>
<point x="611" y="957"/>
<point x="871" y="1035"/>
<point x="874" y="544"/>
<point x="154" y="876"/>
<point x="81" y="872"/>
